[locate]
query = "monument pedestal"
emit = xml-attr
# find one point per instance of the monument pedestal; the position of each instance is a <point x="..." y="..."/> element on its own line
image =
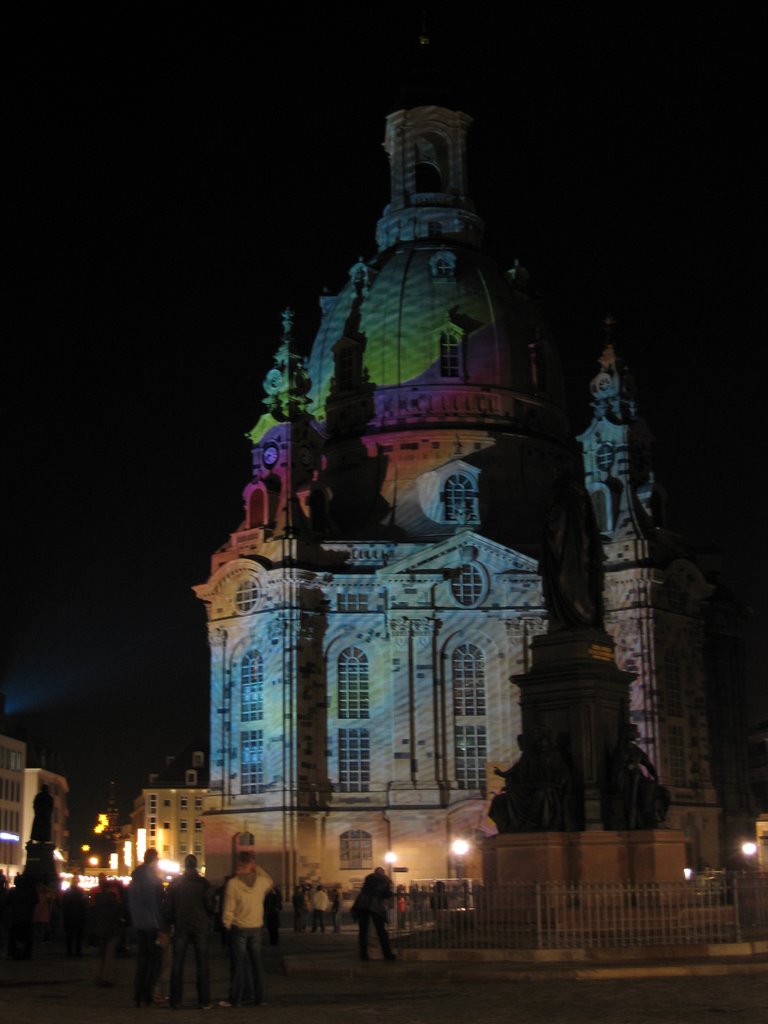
<point x="652" y="855"/>
<point x="41" y="865"/>
<point x="575" y="690"/>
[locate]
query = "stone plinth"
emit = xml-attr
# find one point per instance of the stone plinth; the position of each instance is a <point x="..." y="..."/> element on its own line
<point x="642" y="856"/>
<point x="41" y="865"/>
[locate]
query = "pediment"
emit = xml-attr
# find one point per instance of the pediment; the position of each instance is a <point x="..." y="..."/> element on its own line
<point x="452" y="551"/>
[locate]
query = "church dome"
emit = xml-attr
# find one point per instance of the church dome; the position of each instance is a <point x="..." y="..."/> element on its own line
<point x="429" y="330"/>
<point x="440" y="336"/>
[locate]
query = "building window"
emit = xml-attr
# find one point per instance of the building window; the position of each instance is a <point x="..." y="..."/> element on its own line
<point x="198" y="803"/>
<point x="353" y="683"/>
<point x="676" y="747"/>
<point x="183" y="803"/>
<point x="252" y="685"/>
<point x="166" y="803"/>
<point x="355" y="850"/>
<point x="198" y="826"/>
<point x="471" y="756"/>
<point x="190" y="777"/>
<point x="468" y="663"/>
<point x="460" y="499"/>
<point x="354" y="761"/>
<point x="198" y="759"/>
<point x="246" y="596"/>
<point x="449" y="355"/>
<point x="352" y="601"/>
<point x="166" y="826"/>
<point x="467" y="586"/>
<point x="183" y="825"/>
<point x="252" y="761"/>
<point x="672" y="683"/>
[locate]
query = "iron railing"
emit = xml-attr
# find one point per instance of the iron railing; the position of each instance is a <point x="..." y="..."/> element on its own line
<point x="456" y="914"/>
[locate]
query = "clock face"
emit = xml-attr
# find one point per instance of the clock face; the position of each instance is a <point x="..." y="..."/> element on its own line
<point x="269" y="455"/>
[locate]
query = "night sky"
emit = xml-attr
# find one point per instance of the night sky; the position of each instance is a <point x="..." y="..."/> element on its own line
<point x="176" y="181"/>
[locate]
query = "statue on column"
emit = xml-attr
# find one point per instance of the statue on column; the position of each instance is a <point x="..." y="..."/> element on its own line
<point x="42" y="806"/>
<point x="571" y="564"/>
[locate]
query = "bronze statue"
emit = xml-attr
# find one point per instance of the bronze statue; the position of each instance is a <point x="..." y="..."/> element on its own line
<point x="536" y="788"/>
<point x="635" y="781"/>
<point x="571" y="564"/>
<point x="42" y="806"/>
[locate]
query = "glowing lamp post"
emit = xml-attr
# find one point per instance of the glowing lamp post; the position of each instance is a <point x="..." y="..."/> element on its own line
<point x="748" y="851"/>
<point x="390" y="859"/>
<point x="460" y="848"/>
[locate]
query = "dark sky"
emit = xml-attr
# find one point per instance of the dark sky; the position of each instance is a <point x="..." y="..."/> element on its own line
<point x="177" y="180"/>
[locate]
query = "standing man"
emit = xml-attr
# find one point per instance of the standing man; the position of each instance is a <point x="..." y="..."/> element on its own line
<point x="243" y="918"/>
<point x="74" y="911"/>
<point x="145" y="905"/>
<point x="320" y="904"/>
<point x="190" y="908"/>
<point x="371" y="905"/>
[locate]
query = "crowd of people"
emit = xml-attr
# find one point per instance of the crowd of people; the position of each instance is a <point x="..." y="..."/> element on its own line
<point x="159" y="923"/>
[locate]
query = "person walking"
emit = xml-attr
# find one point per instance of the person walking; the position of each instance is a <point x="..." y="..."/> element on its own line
<point x="335" y="898"/>
<point x="299" y="913"/>
<point x="243" y="918"/>
<point x="371" y="905"/>
<point x="145" y="905"/>
<point x="273" y="904"/>
<point x="190" y="909"/>
<point x="320" y="904"/>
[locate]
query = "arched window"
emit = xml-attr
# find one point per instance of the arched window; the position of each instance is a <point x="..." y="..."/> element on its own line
<point x="468" y="585"/>
<point x="252" y="687"/>
<point x="246" y="595"/>
<point x="353" y="676"/>
<point x="460" y="499"/>
<point x="428" y="178"/>
<point x="468" y="664"/>
<point x="449" y="354"/>
<point x="355" y="850"/>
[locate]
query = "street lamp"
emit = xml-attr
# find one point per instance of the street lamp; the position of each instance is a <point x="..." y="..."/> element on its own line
<point x="390" y="858"/>
<point x="460" y="848"/>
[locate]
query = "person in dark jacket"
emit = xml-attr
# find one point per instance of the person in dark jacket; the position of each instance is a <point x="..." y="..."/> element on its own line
<point x="273" y="904"/>
<point x="371" y="905"/>
<point x="145" y="904"/>
<point x="190" y="909"/>
<point x="74" y="911"/>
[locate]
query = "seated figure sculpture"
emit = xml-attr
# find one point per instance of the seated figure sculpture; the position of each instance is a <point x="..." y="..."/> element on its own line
<point x="536" y="788"/>
<point x="635" y="782"/>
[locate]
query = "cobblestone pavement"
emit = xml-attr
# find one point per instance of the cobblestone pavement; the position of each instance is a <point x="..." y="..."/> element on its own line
<point x="325" y="984"/>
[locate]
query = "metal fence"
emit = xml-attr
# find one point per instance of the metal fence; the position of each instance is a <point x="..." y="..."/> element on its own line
<point x="455" y="914"/>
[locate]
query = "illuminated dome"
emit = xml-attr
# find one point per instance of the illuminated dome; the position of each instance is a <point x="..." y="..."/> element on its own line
<point x="430" y="330"/>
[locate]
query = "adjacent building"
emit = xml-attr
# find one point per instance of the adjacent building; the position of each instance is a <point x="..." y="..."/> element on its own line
<point x="170" y="808"/>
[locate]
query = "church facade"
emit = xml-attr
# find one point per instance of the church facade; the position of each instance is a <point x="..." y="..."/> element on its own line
<point x="371" y="617"/>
